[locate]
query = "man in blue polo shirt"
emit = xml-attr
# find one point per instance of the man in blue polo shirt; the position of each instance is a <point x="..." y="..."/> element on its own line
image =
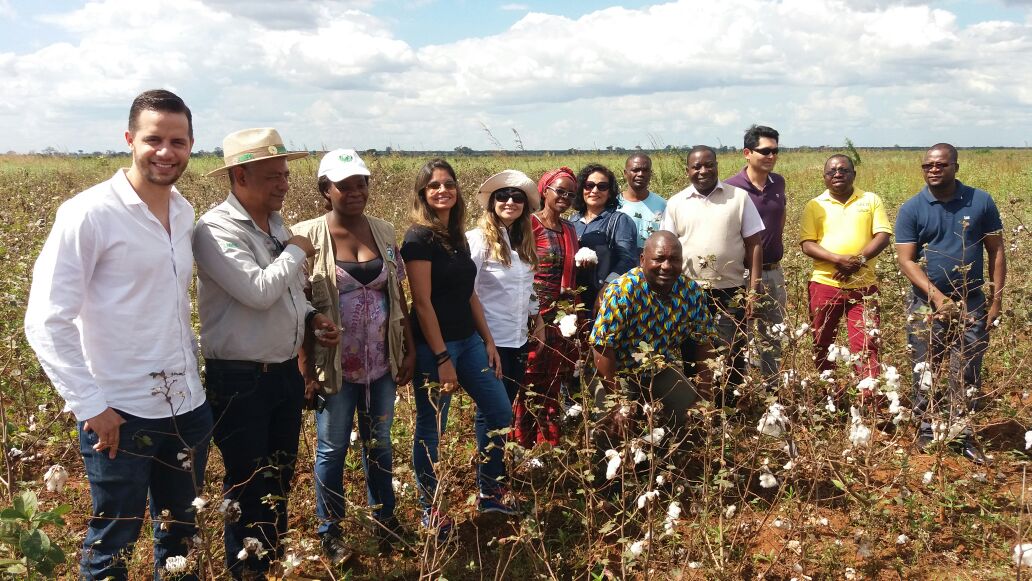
<point x="942" y="234"/>
<point x="767" y="191"/>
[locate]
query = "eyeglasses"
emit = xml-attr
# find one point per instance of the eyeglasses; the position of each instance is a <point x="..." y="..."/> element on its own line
<point x="562" y="193"/>
<point x="838" y="170"/>
<point x="507" y="195"/>
<point x="602" y="186"/>
<point x="765" y="151"/>
<point x="935" y="165"/>
<point x="448" y="185"/>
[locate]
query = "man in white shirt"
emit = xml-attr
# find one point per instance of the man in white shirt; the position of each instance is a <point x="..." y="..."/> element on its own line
<point x="719" y="229"/>
<point x="254" y="318"/>
<point x="109" y="319"/>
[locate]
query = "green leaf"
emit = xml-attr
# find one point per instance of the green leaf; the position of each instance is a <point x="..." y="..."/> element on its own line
<point x="838" y="484"/>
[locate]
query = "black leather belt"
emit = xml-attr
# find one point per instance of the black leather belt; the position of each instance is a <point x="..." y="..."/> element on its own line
<point x="238" y="365"/>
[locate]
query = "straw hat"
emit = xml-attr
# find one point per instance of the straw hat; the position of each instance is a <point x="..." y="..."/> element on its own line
<point x="510" y="178"/>
<point x="248" y="145"/>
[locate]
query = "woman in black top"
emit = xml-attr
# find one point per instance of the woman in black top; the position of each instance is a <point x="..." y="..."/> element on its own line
<point x="454" y="348"/>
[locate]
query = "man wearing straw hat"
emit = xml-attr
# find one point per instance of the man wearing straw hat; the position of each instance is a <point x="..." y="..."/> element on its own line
<point x="254" y="317"/>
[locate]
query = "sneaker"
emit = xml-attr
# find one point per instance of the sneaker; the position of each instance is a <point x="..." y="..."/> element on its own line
<point x="434" y="520"/>
<point x="496" y="504"/>
<point x="335" y="550"/>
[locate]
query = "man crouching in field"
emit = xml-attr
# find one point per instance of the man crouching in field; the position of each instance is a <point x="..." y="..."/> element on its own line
<point x="657" y="305"/>
<point x="109" y="319"/>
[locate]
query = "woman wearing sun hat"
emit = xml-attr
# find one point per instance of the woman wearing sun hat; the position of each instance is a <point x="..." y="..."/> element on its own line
<point x="503" y="248"/>
<point x="454" y="346"/>
<point x="355" y="279"/>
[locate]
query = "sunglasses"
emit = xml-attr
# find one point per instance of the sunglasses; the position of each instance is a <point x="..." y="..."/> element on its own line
<point x="765" y="151"/>
<point x="838" y="170"/>
<point x="602" y="186"/>
<point x="935" y="165"/>
<point x="562" y="193"/>
<point x="448" y="185"/>
<point x="506" y="196"/>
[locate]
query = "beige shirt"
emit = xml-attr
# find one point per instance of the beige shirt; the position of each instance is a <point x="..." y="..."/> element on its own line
<point x="712" y="230"/>
<point x="250" y="288"/>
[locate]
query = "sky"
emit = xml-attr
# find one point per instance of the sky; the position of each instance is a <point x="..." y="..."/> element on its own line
<point x="436" y="75"/>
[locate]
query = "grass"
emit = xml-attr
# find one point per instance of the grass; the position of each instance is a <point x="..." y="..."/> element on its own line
<point x="839" y="510"/>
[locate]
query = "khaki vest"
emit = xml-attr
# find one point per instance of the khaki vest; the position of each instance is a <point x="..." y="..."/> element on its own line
<point x="322" y="271"/>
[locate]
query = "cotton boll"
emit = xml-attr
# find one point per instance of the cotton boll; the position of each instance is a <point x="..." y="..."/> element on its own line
<point x="926" y="478"/>
<point x="902" y="540"/>
<point x="859" y="434"/>
<point x="645" y="498"/>
<point x="767" y="480"/>
<point x="1023" y="555"/>
<point x="730" y="511"/>
<point x="1028" y="439"/>
<point x="55" y="478"/>
<point x="612" y="463"/>
<point x="655" y="437"/>
<point x="636" y="548"/>
<point x="830" y="406"/>
<point x="568" y="325"/>
<point x="773" y="422"/>
<point x="891" y="377"/>
<point x="585" y="257"/>
<point x="926" y="380"/>
<point x="574" y="410"/>
<point x="176" y="564"/>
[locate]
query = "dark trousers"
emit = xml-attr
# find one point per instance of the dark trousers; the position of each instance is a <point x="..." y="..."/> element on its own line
<point x="148" y="461"/>
<point x="257" y="424"/>
<point x="952" y="352"/>
<point x="727" y="307"/>
<point x="514" y="368"/>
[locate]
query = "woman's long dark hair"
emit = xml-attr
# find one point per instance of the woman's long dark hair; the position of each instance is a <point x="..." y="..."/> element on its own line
<point x="451" y="236"/>
<point x="579" y="205"/>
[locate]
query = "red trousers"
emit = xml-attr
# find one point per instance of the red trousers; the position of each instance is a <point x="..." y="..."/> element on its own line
<point x="827" y="305"/>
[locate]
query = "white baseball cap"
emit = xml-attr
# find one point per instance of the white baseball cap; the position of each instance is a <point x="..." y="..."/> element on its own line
<point x="340" y="164"/>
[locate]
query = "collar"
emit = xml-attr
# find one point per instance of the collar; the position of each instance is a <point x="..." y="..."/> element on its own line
<point x="127" y="193"/>
<point x="828" y="197"/>
<point x="691" y="192"/>
<point x="235" y="210"/>
<point x="959" y="194"/>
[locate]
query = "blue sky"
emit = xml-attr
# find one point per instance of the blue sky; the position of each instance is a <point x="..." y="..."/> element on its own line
<point x="429" y="74"/>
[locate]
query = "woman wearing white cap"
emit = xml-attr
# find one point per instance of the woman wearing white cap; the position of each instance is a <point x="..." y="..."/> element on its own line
<point x="454" y="346"/>
<point x="355" y="280"/>
<point x="502" y="246"/>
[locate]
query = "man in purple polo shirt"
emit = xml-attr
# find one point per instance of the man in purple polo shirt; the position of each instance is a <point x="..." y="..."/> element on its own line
<point x="767" y="191"/>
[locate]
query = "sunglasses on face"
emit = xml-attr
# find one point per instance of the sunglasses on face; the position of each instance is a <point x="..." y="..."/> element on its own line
<point x="448" y="185"/>
<point x="838" y="170"/>
<point x="602" y="186"/>
<point x="562" y="193"/>
<point x="765" y="151"/>
<point x="507" y="195"/>
<point x="935" y="165"/>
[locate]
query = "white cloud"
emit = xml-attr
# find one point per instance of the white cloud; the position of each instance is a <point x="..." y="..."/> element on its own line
<point x="6" y="10"/>
<point x="514" y="7"/>
<point x="330" y="73"/>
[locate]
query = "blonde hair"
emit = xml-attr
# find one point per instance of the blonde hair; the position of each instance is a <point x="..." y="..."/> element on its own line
<point x="421" y="215"/>
<point x="520" y="230"/>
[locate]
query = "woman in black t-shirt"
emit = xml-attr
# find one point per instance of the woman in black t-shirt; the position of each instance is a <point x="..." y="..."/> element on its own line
<point x="454" y="348"/>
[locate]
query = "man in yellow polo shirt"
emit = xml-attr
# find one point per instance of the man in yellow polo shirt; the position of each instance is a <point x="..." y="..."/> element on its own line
<point x="844" y="231"/>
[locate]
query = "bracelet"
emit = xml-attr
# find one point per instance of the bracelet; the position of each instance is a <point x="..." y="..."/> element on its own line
<point x="309" y="316"/>
<point x="442" y="357"/>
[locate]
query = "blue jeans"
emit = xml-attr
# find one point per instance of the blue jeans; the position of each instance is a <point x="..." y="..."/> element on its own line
<point x="955" y="347"/>
<point x="333" y="426"/>
<point x="147" y="461"/>
<point x="257" y="425"/>
<point x="493" y="413"/>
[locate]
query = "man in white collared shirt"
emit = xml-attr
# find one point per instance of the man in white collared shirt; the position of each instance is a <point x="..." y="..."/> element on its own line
<point x="109" y="319"/>
<point x="719" y="229"/>
<point x="254" y="317"/>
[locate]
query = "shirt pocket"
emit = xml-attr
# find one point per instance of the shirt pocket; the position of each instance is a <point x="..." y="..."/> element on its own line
<point x="321" y="293"/>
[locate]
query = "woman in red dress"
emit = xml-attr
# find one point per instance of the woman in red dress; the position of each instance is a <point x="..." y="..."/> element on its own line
<point x="538" y="407"/>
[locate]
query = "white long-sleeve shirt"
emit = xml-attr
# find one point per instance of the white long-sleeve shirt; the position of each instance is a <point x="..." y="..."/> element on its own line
<point x="505" y="293"/>
<point x="109" y="305"/>
<point x="250" y="287"/>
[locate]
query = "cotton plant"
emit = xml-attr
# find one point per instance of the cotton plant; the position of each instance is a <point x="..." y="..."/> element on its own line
<point x="859" y="433"/>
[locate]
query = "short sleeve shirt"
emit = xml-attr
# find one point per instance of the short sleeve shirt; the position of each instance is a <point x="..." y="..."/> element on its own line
<point x="646" y="214"/>
<point x="770" y="203"/>
<point x="844" y="229"/>
<point x="452" y="276"/>
<point x="950" y="235"/>
<point x="630" y="314"/>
